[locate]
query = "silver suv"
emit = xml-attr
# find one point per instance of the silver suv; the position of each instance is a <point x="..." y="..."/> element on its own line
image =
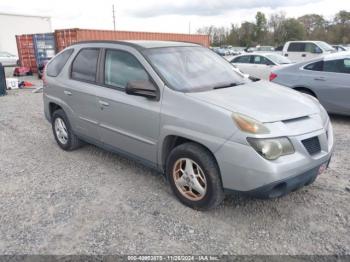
<point x="184" y="110"/>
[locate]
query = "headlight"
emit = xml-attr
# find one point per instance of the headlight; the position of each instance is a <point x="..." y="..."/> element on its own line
<point x="272" y="148"/>
<point x="249" y="125"/>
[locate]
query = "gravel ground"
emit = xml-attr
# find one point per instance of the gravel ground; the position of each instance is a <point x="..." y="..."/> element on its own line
<point x="93" y="202"/>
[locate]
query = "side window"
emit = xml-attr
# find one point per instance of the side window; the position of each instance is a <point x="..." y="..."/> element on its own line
<point x="296" y="47"/>
<point x="85" y="65"/>
<point x="337" y="66"/>
<point x="312" y="48"/>
<point x="318" y="66"/>
<point x="261" y="60"/>
<point x="347" y="65"/>
<point x="122" y="67"/>
<point x="56" y="65"/>
<point x="242" y="59"/>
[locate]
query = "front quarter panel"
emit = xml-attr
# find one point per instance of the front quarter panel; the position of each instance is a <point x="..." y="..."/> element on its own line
<point x="184" y="116"/>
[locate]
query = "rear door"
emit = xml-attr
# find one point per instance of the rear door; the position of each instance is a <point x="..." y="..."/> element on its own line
<point x="80" y="92"/>
<point x="244" y="63"/>
<point x="296" y="51"/>
<point x="261" y="67"/>
<point x="128" y="123"/>
<point x="333" y="85"/>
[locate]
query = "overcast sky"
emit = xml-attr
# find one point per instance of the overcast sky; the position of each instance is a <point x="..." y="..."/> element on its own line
<point x="164" y="15"/>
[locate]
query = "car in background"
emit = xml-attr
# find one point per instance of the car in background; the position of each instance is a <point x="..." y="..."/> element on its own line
<point x="326" y="78"/>
<point x="264" y="49"/>
<point x="8" y="59"/>
<point x="259" y="65"/>
<point x="340" y="48"/>
<point x="298" y="51"/>
<point x="221" y="51"/>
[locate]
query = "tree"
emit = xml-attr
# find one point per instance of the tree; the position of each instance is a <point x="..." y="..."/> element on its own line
<point x="247" y="34"/>
<point x="260" y="27"/>
<point x="315" y="26"/>
<point x="292" y="29"/>
<point x="275" y="25"/>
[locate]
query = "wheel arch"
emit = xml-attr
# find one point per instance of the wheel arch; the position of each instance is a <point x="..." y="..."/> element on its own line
<point x="172" y="141"/>
<point x="304" y="88"/>
<point x="53" y="107"/>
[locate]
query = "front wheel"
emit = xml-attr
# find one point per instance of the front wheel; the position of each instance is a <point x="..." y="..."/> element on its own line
<point x="194" y="176"/>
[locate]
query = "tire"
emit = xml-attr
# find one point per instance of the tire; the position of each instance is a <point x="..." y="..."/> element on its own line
<point x="72" y="141"/>
<point x="205" y="169"/>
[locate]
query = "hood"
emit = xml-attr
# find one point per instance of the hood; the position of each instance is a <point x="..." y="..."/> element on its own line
<point x="262" y="100"/>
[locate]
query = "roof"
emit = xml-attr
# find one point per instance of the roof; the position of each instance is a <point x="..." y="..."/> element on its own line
<point x="260" y="53"/>
<point x="337" y="55"/>
<point x="142" y="44"/>
<point x="25" y="15"/>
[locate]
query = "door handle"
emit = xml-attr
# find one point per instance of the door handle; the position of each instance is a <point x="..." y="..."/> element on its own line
<point x="303" y="55"/>
<point x="68" y="93"/>
<point x="286" y="55"/>
<point x="103" y="103"/>
<point x="320" y="79"/>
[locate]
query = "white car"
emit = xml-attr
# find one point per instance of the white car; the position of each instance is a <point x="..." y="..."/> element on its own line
<point x="298" y="51"/>
<point x="260" y="65"/>
<point x="7" y="59"/>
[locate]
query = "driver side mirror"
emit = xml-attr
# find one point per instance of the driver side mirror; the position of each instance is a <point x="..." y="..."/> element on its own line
<point x="143" y="88"/>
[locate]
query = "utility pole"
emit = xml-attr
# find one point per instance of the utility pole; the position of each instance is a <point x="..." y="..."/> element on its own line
<point x="113" y="12"/>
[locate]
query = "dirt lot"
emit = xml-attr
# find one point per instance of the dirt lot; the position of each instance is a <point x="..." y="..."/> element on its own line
<point x="93" y="202"/>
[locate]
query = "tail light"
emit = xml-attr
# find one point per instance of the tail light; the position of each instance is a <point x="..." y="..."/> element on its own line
<point x="272" y="76"/>
<point x="43" y="77"/>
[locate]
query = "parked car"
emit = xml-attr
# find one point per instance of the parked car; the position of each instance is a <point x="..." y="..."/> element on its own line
<point x="264" y="49"/>
<point x="340" y="48"/>
<point x="7" y="59"/>
<point x="260" y="65"/>
<point x="185" y="111"/>
<point x="326" y="78"/>
<point x="298" y="51"/>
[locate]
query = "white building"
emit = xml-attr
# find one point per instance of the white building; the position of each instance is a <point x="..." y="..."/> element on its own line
<point x="17" y="24"/>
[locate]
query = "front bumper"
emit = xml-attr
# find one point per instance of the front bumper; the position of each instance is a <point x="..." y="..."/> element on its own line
<point x="244" y="170"/>
<point x="283" y="187"/>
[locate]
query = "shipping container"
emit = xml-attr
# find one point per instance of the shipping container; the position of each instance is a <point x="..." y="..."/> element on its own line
<point x="44" y="47"/>
<point x="35" y="49"/>
<point x="26" y="53"/>
<point x="68" y="37"/>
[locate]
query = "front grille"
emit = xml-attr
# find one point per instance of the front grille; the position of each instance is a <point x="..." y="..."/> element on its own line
<point x="312" y="145"/>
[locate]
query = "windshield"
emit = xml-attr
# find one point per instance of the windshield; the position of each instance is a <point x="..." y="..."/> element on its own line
<point x="193" y="69"/>
<point x="278" y="59"/>
<point x="325" y="46"/>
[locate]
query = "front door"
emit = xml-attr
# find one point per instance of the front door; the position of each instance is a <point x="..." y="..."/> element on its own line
<point x="127" y="123"/>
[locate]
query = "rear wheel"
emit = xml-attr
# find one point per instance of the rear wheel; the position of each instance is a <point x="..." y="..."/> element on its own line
<point x="63" y="133"/>
<point x="194" y="176"/>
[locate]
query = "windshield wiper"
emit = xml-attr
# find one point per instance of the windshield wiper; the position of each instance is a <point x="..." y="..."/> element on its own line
<point x="228" y="85"/>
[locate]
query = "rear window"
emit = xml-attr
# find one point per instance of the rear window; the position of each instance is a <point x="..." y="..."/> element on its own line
<point x="58" y="62"/>
<point x="317" y="66"/>
<point x="85" y="65"/>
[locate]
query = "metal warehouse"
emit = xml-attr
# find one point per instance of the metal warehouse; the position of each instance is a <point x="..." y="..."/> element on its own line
<point x="17" y="24"/>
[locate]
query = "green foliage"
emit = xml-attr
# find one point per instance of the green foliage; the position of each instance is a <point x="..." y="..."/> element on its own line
<point x="278" y="29"/>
